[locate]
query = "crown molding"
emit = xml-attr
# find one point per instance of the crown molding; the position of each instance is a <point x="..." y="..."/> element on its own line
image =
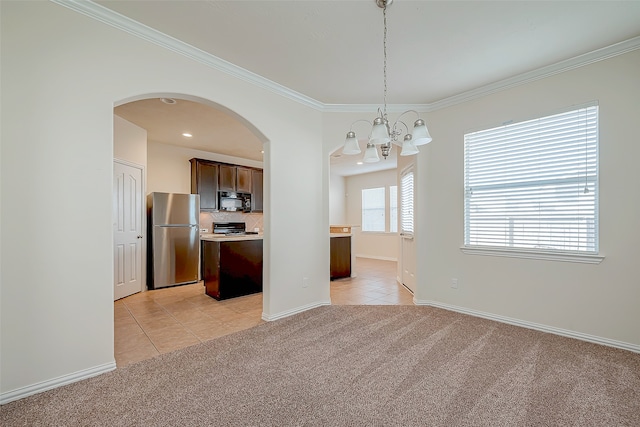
<point x="116" y="20"/>
<point x="121" y="22"/>
<point x="540" y="73"/>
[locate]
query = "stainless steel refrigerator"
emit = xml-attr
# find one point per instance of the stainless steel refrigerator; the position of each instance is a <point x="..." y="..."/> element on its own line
<point x="174" y="239"/>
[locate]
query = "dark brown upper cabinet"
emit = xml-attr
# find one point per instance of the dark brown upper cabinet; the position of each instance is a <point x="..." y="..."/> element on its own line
<point x="204" y="181"/>
<point x="234" y="178"/>
<point x="256" y="191"/>
<point x="227" y="178"/>
<point x="243" y="180"/>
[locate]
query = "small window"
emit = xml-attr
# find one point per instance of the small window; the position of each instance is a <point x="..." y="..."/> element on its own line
<point x="534" y="185"/>
<point x="373" y="207"/>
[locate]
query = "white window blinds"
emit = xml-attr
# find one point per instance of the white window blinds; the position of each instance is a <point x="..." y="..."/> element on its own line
<point x="406" y="203"/>
<point x="534" y="184"/>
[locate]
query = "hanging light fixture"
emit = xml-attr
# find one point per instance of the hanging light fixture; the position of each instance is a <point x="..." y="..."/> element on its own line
<point x="382" y="133"/>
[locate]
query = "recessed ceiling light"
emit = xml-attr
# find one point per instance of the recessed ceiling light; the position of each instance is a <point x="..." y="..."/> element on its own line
<point x="359" y="163"/>
<point x="188" y="135"/>
<point x="169" y="101"/>
<point x="262" y="151"/>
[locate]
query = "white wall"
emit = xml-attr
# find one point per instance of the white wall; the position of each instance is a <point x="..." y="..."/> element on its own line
<point x="337" y="200"/>
<point x="371" y="244"/>
<point x="129" y="142"/>
<point x="596" y="300"/>
<point x="62" y="74"/>
<point x="169" y="170"/>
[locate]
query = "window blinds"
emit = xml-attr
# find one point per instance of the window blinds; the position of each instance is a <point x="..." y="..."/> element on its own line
<point x="534" y="184"/>
<point x="406" y="206"/>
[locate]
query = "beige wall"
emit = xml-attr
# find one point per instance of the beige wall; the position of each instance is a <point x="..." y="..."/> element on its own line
<point x="129" y="142"/>
<point x="337" y="200"/>
<point x="169" y="170"/>
<point x="59" y="89"/>
<point x="371" y="244"/>
<point x="594" y="300"/>
<point x="55" y="81"/>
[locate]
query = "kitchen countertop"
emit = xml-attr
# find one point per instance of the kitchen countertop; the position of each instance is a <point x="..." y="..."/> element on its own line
<point x="340" y="234"/>
<point x="224" y="238"/>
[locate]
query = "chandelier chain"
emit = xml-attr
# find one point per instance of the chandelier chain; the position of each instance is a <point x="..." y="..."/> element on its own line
<point x="384" y="49"/>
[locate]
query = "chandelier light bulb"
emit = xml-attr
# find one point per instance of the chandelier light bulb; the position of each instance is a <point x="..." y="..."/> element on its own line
<point x="371" y="154"/>
<point x="420" y="133"/>
<point x="380" y="132"/>
<point x="351" y="145"/>
<point x="408" y="147"/>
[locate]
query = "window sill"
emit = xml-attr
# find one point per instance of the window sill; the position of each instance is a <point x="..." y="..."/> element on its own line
<point x="534" y="254"/>
<point x="384" y="233"/>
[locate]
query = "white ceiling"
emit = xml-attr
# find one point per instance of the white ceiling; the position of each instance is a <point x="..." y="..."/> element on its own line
<point x="331" y="51"/>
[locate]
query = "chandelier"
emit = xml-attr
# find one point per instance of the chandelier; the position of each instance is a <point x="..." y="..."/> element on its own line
<point x="384" y="134"/>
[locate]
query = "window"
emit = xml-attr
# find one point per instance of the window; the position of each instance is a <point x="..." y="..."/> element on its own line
<point x="373" y="208"/>
<point x="406" y="193"/>
<point x="533" y="185"/>
<point x="393" y="208"/>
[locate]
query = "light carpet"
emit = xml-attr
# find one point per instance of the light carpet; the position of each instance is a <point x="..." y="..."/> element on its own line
<point x="358" y="366"/>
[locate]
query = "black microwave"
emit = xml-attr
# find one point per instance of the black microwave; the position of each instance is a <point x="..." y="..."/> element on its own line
<point x="234" y="202"/>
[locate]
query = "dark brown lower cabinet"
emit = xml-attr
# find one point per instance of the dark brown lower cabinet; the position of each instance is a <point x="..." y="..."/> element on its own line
<point x="232" y="269"/>
<point x="340" y="257"/>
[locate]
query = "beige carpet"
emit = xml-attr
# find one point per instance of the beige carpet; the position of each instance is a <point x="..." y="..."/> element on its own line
<point x="358" y="366"/>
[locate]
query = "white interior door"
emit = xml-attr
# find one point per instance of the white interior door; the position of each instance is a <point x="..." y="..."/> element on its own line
<point x="407" y="242"/>
<point x="127" y="229"/>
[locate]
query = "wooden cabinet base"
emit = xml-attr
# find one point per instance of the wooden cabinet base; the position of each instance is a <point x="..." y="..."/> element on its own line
<point x="232" y="269"/>
<point x="340" y="257"/>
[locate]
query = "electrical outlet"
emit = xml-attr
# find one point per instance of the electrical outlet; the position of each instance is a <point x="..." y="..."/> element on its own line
<point x="204" y="230"/>
<point x="454" y="283"/>
<point x="305" y="282"/>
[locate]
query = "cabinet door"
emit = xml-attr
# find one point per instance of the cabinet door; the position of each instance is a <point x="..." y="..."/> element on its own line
<point x="243" y="180"/>
<point x="227" y="178"/>
<point x="340" y="257"/>
<point x="204" y="181"/>
<point x="256" y="191"/>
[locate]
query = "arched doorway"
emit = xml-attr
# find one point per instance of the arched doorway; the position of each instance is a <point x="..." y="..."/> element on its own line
<point x="151" y="131"/>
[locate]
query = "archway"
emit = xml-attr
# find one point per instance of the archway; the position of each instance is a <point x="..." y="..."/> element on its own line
<point x="218" y="134"/>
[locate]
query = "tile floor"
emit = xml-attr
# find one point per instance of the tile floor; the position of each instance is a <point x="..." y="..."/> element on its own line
<point x="159" y="321"/>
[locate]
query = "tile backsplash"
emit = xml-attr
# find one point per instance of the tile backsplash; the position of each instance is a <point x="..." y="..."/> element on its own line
<point x="252" y="220"/>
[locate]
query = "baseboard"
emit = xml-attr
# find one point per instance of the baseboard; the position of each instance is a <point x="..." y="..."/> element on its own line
<point x="381" y="258"/>
<point x="531" y="325"/>
<point x="23" y="392"/>
<point x="294" y="311"/>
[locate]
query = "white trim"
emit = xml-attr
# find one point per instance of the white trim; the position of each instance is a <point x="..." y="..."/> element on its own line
<point x="144" y="32"/>
<point x="536" y="326"/>
<point x="121" y="22"/>
<point x="29" y="390"/>
<point x="293" y="311"/>
<point x="381" y="258"/>
<point x="534" y="254"/>
<point x="540" y="73"/>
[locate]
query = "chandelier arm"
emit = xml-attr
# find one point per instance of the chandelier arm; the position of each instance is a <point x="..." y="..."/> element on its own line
<point x="409" y="111"/>
<point x="360" y="120"/>
<point x="395" y="133"/>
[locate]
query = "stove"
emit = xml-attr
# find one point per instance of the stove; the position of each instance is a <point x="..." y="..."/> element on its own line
<point x="231" y="228"/>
